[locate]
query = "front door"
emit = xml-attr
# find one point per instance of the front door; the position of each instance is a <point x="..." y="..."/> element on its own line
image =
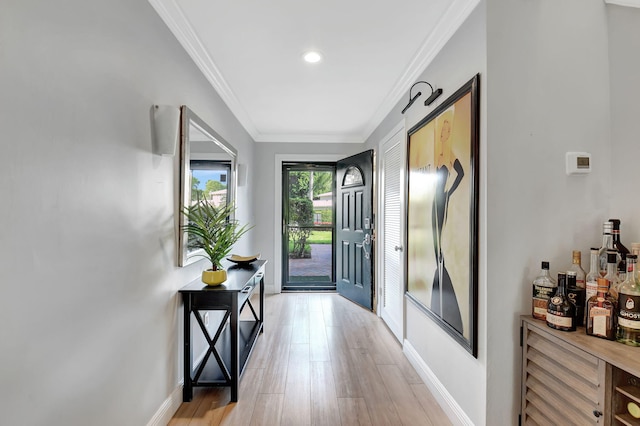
<point x="354" y="228"/>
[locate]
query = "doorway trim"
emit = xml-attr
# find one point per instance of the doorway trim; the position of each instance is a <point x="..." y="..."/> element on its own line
<point x="278" y="224"/>
<point x="398" y="128"/>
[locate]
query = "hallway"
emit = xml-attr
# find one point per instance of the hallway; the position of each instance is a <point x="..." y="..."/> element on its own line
<point x="322" y="360"/>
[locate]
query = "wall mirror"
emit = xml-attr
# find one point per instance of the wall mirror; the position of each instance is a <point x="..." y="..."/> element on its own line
<point x="207" y="171"/>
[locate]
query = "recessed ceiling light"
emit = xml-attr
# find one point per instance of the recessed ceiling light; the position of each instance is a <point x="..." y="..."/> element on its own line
<point x="312" y="57"/>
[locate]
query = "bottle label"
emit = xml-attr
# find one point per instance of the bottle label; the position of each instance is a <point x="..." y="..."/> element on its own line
<point x="577" y="296"/>
<point x="543" y="292"/>
<point x="622" y="322"/>
<point x="560" y="321"/>
<point x="599" y="312"/>
<point x="629" y="311"/>
<point x="592" y="289"/>
<point x="541" y="295"/>
<point x="540" y="310"/>
<point x="600" y="318"/>
<point x="556" y="300"/>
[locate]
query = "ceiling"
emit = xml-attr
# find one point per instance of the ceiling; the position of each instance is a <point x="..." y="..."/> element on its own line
<point x="251" y="53"/>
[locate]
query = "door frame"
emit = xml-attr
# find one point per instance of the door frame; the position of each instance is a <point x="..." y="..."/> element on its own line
<point x="278" y="219"/>
<point x="308" y="166"/>
<point x="379" y="267"/>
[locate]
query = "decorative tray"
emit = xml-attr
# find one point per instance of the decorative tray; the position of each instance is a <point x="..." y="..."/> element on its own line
<point x="243" y="259"/>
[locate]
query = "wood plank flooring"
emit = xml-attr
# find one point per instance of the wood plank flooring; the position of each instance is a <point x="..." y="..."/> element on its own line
<point x="322" y="361"/>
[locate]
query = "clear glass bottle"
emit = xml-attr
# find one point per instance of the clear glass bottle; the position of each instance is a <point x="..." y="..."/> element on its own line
<point x="612" y="274"/>
<point x="561" y="311"/>
<point x="594" y="274"/>
<point x="607" y="245"/>
<point x="601" y="310"/>
<point x="576" y="294"/>
<point x="635" y="249"/>
<point x="622" y="270"/>
<point x="543" y="288"/>
<point x="628" y="330"/>
<point x="576" y="266"/>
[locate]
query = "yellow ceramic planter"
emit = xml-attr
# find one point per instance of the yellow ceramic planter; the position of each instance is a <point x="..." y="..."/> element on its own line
<point x="210" y="277"/>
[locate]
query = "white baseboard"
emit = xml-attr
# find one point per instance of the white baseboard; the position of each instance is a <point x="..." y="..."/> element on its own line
<point x="449" y="405"/>
<point x="172" y="403"/>
<point x="168" y="408"/>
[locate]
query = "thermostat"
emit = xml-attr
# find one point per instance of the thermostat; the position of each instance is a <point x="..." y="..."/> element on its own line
<point x="578" y="163"/>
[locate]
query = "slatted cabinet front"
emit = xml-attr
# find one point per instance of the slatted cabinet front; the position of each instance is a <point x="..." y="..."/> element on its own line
<point x="561" y="384"/>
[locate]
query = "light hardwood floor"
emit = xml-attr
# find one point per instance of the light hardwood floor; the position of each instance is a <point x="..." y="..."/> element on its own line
<point x="322" y="360"/>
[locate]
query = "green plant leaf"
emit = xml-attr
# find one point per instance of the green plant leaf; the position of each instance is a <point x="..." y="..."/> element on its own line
<point x="211" y="229"/>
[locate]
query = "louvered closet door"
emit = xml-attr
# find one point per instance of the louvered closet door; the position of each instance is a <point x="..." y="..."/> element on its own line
<point x="392" y="233"/>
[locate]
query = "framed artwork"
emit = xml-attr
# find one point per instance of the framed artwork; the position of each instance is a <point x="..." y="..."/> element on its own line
<point x="442" y="208"/>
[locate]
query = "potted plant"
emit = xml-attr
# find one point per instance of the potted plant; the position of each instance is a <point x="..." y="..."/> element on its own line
<point x="211" y="229"/>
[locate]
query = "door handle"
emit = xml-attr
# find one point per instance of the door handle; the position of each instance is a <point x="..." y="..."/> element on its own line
<point x="398" y="248"/>
<point x="367" y="239"/>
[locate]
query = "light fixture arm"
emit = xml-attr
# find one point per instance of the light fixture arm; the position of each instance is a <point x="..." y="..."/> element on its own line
<point x="432" y="97"/>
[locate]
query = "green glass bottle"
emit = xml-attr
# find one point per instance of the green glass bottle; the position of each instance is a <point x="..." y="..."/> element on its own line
<point x="628" y="330"/>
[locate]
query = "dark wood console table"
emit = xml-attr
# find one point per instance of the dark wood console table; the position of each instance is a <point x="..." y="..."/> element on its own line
<point x="234" y="339"/>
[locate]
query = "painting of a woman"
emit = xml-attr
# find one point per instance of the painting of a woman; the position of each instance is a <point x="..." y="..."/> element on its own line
<point x="449" y="173"/>
<point x="442" y="215"/>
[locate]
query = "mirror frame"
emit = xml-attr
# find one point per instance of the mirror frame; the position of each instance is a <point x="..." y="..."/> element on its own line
<point x="189" y="118"/>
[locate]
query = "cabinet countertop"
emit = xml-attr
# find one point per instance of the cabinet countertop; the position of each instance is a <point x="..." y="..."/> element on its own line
<point x="617" y="354"/>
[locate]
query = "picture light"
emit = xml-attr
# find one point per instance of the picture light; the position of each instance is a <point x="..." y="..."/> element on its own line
<point x="432" y="97"/>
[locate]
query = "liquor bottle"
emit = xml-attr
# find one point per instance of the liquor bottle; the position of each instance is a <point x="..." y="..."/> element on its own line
<point x="601" y="313"/>
<point x="635" y="249"/>
<point x="607" y="245"/>
<point x="576" y="266"/>
<point x="593" y="275"/>
<point x="561" y="311"/>
<point x="576" y="294"/>
<point x="622" y="270"/>
<point x="628" y="330"/>
<point x="617" y="244"/>
<point x="543" y="288"/>
<point x="612" y="274"/>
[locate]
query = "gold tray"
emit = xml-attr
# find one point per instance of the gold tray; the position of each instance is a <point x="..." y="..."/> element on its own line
<point x="243" y="259"/>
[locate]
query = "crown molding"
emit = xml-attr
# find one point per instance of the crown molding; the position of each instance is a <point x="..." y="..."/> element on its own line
<point x="309" y="138"/>
<point x="453" y="18"/>
<point x="174" y="18"/>
<point x="628" y="3"/>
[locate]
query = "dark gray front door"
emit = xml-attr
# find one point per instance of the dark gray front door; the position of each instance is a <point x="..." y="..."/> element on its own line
<point x="354" y="228"/>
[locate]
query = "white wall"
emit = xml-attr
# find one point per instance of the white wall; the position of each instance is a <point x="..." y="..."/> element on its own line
<point x="547" y="93"/>
<point x="89" y="316"/>
<point x="460" y="373"/>
<point x="624" y="69"/>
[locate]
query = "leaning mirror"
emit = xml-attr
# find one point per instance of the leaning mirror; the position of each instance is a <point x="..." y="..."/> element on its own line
<point x="207" y="171"/>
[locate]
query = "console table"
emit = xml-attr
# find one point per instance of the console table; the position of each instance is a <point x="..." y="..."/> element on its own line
<point x="230" y="347"/>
